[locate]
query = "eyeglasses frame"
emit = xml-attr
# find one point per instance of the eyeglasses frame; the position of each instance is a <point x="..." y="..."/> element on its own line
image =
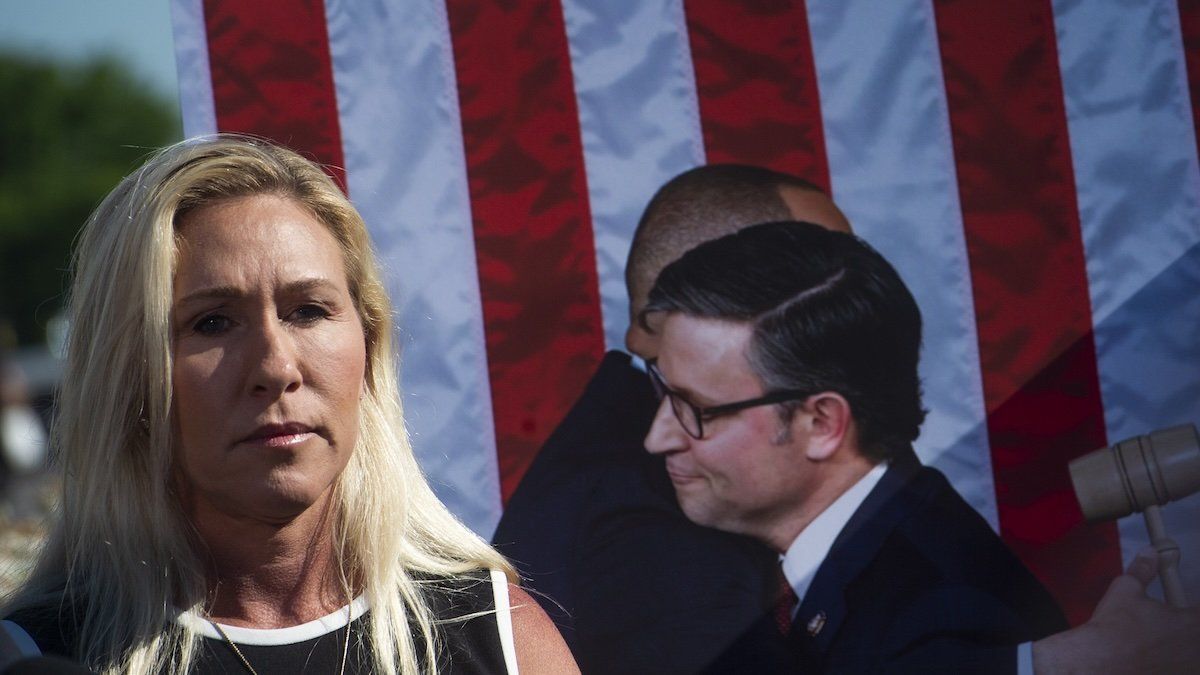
<point x="712" y="412"/>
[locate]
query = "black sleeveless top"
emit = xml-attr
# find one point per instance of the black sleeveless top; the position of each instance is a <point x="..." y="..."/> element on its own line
<point x="469" y="634"/>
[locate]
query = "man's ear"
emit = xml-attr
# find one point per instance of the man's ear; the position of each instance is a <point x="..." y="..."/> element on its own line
<point x="828" y="421"/>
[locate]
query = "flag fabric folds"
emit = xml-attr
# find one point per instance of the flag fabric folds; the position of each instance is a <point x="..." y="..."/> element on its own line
<point x="1030" y="167"/>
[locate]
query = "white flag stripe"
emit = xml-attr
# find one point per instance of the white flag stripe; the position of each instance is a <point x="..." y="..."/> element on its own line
<point x="891" y="164"/>
<point x="1132" y="141"/>
<point x="191" y="60"/>
<point x="1134" y="151"/>
<point x="405" y="167"/>
<point x="639" y="120"/>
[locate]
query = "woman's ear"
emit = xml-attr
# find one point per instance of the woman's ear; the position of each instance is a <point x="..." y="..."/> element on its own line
<point x="828" y="419"/>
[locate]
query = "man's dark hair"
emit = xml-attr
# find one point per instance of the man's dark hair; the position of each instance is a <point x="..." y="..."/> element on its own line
<point x="828" y="313"/>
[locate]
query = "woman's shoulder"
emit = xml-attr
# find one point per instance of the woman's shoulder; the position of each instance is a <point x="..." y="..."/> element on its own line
<point x="484" y="618"/>
<point x="473" y="617"/>
<point x="461" y="596"/>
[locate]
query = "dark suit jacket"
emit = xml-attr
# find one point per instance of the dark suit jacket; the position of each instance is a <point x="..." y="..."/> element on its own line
<point x="594" y="528"/>
<point x="918" y="582"/>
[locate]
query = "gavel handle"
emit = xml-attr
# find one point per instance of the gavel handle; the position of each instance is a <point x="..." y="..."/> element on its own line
<point x="1168" y="557"/>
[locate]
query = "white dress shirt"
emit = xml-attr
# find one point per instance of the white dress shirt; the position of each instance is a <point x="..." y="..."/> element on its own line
<point x="806" y="553"/>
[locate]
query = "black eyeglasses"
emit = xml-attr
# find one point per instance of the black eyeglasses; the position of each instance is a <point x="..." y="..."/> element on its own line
<point x="692" y="417"/>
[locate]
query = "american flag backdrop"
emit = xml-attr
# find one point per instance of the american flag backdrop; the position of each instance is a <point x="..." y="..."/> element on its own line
<point x="1030" y="167"/>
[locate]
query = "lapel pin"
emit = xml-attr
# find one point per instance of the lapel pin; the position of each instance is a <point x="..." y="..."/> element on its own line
<point x="815" y="624"/>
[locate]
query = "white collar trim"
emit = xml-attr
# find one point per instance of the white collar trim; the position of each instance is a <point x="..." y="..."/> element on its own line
<point x="271" y="637"/>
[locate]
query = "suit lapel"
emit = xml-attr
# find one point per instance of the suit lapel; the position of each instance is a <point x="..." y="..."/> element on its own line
<point x="823" y="609"/>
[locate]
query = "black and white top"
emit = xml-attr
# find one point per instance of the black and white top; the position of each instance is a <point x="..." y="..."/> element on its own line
<point x="474" y="624"/>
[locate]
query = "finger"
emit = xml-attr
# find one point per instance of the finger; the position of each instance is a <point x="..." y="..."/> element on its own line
<point x="1144" y="567"/>
<point x="1130" y="587"/>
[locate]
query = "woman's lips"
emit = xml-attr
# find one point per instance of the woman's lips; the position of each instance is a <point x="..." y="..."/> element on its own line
<point x="282" y="440"/>
<point x="279" y="435"/>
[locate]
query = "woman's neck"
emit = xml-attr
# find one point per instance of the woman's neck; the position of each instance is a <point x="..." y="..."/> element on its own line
<point x="269" y="574"/>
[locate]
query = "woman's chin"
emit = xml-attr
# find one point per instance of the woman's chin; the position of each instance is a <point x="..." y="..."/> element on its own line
<point x="277" y="501"/>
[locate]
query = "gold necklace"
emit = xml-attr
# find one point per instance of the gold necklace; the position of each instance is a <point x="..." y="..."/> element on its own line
<point x="246" y="662"/>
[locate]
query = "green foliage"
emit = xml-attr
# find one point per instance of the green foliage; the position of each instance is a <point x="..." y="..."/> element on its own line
<point x="67" y="135"/>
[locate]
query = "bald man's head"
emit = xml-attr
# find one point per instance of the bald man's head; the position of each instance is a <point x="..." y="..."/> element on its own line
<point x="705" y="203"/>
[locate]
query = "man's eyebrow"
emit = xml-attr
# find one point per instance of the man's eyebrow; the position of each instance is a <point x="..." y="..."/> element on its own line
<point x="691" y="396"/>
<point x="685" y="393"/>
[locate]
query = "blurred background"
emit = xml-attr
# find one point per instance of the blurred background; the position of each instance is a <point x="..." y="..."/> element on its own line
<point x="89" y="89"/>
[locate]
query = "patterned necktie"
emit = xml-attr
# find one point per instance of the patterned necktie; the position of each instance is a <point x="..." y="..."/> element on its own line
<point x="785" y="606"/>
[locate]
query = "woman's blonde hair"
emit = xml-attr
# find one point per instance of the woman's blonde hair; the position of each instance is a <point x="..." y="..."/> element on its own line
<point x="122" y="555"/>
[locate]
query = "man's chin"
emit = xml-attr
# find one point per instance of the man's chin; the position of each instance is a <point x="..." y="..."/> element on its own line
<point x="697" y="510"/>
<point x="717" y="516"/>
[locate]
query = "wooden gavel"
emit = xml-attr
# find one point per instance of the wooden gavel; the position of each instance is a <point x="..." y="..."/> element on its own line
<point x="1141" y="474"/>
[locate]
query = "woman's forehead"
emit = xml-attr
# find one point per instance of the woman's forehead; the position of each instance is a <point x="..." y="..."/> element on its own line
<point x="253" y="240"/>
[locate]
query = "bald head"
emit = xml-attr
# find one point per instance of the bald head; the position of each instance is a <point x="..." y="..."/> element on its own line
<point x="706" y="203"/>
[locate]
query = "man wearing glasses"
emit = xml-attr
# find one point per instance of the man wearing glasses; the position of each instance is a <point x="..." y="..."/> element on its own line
<point x="637" y="588"/>
<point x="787" y="367"/>
<point x="594" y="527"/>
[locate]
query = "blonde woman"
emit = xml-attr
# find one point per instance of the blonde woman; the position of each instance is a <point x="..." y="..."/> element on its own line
<point x="239" y="494"/>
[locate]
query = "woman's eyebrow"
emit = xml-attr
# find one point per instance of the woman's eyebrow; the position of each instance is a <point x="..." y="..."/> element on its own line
<point x="212" y="292"/>
<point x="231" y="292"/>
<point x="308" y="284"/>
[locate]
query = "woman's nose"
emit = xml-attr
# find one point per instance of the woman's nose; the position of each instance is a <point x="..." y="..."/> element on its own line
<point x="275" y="369"/>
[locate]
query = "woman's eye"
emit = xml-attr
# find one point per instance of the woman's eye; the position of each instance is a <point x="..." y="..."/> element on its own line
<point x="213" y="324"/>
<point x="309" y="313"/>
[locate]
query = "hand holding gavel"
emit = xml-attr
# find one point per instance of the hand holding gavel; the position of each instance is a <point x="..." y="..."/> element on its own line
<point x="1141" y="474"/>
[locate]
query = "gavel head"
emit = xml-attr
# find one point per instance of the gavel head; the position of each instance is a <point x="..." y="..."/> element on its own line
<point x="1153" y="469"/>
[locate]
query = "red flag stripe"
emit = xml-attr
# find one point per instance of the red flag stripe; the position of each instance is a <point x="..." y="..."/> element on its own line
<point x="272" y="76"/>
<point x="1189" y="23"/>
<point x="1032" y="307"/>
<point x="757" y="86"/>
<point x="533" y="231"/>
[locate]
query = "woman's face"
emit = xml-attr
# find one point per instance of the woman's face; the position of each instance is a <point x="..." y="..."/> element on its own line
<point x="269" y="359"/>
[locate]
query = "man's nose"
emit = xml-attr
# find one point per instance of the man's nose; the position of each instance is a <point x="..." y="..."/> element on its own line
<point x="666" y="433"/>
